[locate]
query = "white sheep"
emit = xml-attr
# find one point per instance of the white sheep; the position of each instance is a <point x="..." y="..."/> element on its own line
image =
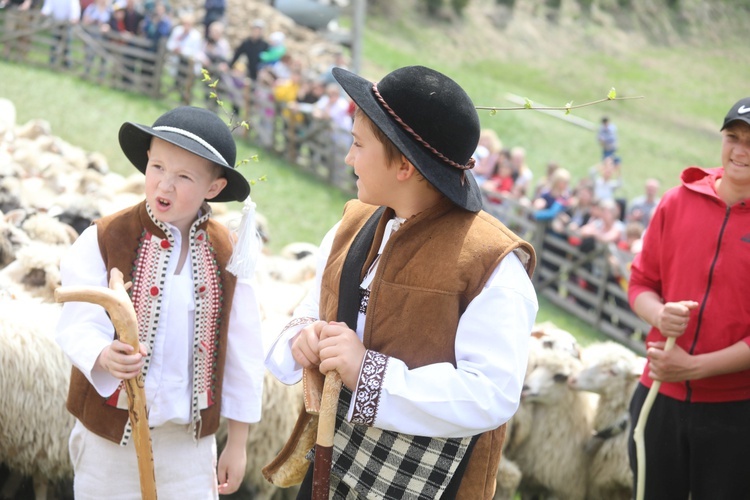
<point x="43" y="228"/>
<point x="543" y="336"/>
<point x="611" y="371"/>
<point x="33" y="129"/>
<point x="34" y="378"/>
<point x="281" y="406"/>
<point x="297" y="268"/>
<point x="12" y="237"/>
<point x="508" y="480"/>
<point x="7" y="120"/>
<point x="34" y="273"/>
<point x="553" y="337"/>
<point x="551" y="457"/>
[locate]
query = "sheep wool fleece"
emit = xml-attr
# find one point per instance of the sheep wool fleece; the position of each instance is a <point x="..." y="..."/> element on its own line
<point x="134" y="242"/>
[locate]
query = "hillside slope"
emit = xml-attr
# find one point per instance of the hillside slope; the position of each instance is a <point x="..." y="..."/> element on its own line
<point x="688" y="73"/>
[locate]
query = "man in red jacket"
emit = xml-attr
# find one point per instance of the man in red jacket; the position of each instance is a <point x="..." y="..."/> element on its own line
<point x="692" y="281"/>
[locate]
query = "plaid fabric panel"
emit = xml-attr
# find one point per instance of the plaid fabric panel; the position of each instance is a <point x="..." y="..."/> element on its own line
<point x="373" y="463"/>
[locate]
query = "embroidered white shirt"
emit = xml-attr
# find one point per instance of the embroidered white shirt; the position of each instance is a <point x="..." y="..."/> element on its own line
<point x="84" y="330"/>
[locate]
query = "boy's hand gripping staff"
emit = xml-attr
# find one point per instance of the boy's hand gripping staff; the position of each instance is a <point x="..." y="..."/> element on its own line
<point x="116" y="301"/>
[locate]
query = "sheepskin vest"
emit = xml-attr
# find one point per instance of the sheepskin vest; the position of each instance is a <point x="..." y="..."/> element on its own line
<point x="429" y="272"/>
<point x="132" y="241"/>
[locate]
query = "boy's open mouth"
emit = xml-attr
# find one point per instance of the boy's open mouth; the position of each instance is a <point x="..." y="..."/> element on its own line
<point x="163" y="202"/>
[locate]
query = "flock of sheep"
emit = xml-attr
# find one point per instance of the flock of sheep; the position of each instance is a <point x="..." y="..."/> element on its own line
<point x="568" y="439"/>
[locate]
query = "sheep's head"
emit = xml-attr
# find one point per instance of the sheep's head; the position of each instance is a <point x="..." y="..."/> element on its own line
<point x="40" y="269"/>
<point x="552" y="337"/>
<point x="609" y="368"/>
<point x="46" y="229"/>
<point x="547" y="382"/>
<point x="12" y="238"/>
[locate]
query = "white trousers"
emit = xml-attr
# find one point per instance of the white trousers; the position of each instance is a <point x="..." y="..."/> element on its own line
<point x="183" y="469"/>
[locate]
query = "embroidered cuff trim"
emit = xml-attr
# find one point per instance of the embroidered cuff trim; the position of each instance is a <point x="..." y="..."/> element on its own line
<point x="369" y="387"/>
<point x="307" y="320"/>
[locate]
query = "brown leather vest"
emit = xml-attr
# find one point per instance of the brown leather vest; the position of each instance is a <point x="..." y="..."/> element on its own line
<point x="430" y="270"/>
<point x="119" y="238"/>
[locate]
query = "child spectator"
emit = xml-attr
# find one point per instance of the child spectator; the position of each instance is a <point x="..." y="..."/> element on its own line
<point x="544" y="183"/>
<point x="335" y="107"/>
<point x="580" y="206"/>
<point x="522" y="174"/>
<point x="486" y="165"/>
<point x="605" y="227"/>
<point x="555" y="200"/>
<point x="199" y="327"/>
<point x="607" y="179"/>
<point x="276" y="49"/>
<point x="501" y="184"/>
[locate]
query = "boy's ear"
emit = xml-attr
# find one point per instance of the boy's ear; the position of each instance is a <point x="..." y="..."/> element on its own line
<point x="216" y="186"/>
<point x="405" y="169"/>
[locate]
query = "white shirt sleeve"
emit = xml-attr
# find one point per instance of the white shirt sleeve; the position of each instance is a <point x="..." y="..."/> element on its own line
<point x="84" y="329"/>
<point x="242" y="388"/>
<point x="484" y="389"/>
<point x="279" y="360"/>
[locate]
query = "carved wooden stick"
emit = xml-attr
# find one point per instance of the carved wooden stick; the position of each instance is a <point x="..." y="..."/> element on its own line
<point x="640" y="429"/>
<point x="324" y="442"/>
<point x="116" y="301"/>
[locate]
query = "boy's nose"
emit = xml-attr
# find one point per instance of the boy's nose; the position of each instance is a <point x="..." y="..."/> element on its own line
<point x="166" y="183"/>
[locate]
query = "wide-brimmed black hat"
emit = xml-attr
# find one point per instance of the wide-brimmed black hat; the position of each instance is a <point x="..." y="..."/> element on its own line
<point x="197" y="130"/>
<point x="430" y="119"/>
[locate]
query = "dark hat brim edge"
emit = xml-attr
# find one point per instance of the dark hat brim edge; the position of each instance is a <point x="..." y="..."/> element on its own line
<point x="442" y="176"/>
<point x="135" y="141"/>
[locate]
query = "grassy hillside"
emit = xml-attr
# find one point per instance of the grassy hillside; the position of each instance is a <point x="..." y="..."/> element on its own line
<point x="687" y="85"/>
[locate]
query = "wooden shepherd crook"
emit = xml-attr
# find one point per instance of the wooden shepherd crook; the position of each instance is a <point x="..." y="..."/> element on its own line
<point x="324" y="442"/>
<point x="640" y="430"/>
<point x="116" y="301"/>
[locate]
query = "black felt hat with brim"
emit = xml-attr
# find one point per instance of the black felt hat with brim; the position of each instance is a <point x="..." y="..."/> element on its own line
<point x="430" y="119"/>
<point x="197" y="130"/>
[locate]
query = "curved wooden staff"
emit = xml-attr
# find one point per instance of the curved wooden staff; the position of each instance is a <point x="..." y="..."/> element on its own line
<point x="116" y="301"/>
<point x="640" y="429"/>
<point x="324" y="441"/>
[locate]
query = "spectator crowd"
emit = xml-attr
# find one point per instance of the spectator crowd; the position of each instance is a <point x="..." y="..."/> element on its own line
<point x="587" y="212"/>
<point x="283" y="81"/>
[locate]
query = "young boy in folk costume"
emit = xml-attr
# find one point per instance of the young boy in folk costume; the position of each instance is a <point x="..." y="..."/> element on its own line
<point x="433" y="364"/>
<point x="200" y="353"/>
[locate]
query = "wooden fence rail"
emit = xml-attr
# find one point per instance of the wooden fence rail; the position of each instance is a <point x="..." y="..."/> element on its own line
<point x="581" y="282"/>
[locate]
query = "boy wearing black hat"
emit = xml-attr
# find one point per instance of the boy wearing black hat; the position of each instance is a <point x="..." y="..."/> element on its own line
<point x="692" y="281"/>
<point x="200" y="357"/>
<point x="432" y="341"/>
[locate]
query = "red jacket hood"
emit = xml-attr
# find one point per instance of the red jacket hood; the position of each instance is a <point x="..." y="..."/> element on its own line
<point x="702" y="180"/>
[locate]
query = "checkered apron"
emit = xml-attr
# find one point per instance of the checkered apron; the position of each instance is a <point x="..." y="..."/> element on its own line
<point x="373" y="463"/>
